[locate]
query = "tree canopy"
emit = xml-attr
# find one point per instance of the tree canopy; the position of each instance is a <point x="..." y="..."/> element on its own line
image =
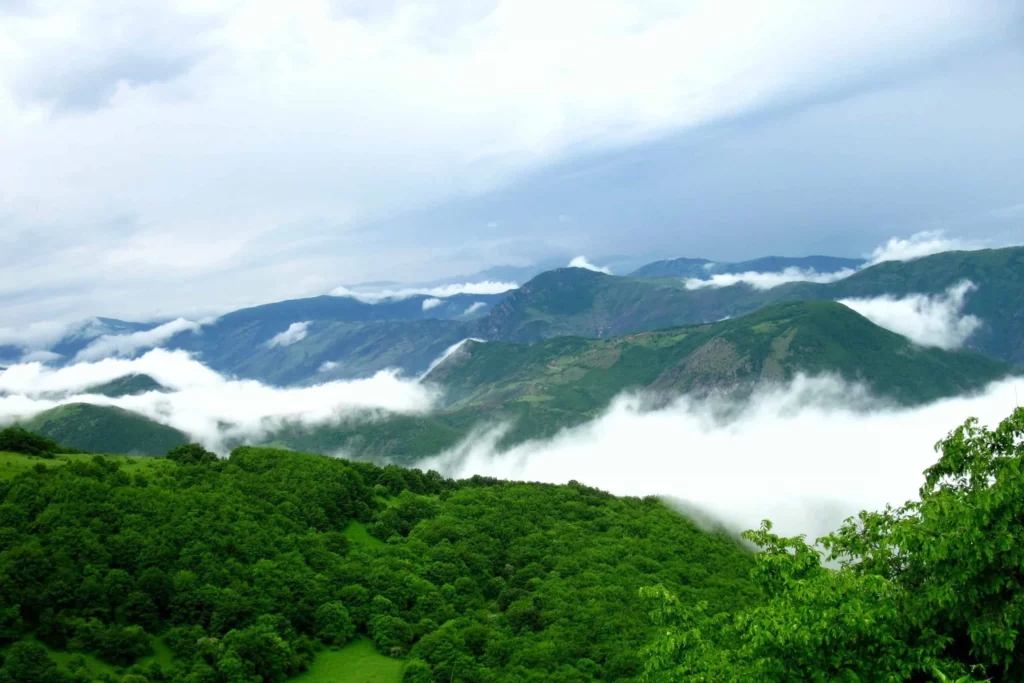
<point x="931" y="590"/>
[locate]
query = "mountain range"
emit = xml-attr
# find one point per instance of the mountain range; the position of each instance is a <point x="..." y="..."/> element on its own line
<point x="555" y="351"/>
<point x="563" y="381"/>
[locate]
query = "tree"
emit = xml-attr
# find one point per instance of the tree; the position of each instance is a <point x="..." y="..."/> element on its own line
<point x="20" y="440"/>
<point x="333" y="624"/>
<point x="929" y="590"/>
<point x="28" y="663"/>
<point x="191" y="454"/>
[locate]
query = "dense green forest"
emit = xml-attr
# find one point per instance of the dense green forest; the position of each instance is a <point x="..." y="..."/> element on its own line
<point x="268" y="563"/>
<point x="244" y="569"/>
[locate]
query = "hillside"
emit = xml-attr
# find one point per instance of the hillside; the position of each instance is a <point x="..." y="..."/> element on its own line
<point x="703" y="269"/>
<point x="577" y="302"/>
<point x="255" y="563"/>
<point x="129" y="385"/>
<point x="104" y="429"/>
<point x="564" y="381"/>
<point x="353" y="349"/>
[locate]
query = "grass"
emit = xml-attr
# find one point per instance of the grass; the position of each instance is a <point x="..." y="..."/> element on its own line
<point x="357" y="662"/>
<point x="13" y="464"/>
<point x="96" y="667"/>
<point x="357" y="533"/>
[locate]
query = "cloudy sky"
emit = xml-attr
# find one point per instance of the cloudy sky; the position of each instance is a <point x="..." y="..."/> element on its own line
<point x="173" y="158"/>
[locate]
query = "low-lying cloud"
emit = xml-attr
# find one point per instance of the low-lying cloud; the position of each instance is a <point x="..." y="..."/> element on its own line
<point x="208" y="407"/>
<point x="926" y="320"/>
<point x="442" y="291"/>
<point x="448" y="354"/>
<point x="759" y="280"/>
<point x="918" y="245"/>
<point x="582" y="262"/>
<point x="805" y="455"/>
<point x="474" y="307"/>
<point x="295" y="333"/>
<point x="130" y="344"/>
<point x="431" y="303"/>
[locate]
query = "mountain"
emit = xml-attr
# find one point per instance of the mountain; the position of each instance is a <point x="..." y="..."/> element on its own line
<point x="703" y="269"/>
<point x="572" y="301"/>
<point x="327" y="349"/>
<point x="564" y="381"/>
<point x="129" y="385"/>
<point x="105" y="429"/>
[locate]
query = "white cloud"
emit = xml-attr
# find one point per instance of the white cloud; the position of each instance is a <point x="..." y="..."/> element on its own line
<point x="40" y="335"/>
<point x="329" y="365"/>
<point x="582" y="262"/>
<point x="431" y="303"/>
<point x="189" y="99"/>
<point x="296" y="332"/>
<point x="918" y="245"/>
<point x="202" y="403"/>
<point x="129" y="344"/>
<point x="372" y="296"/>
<point x="768" y="280"/>
<point x="926" y="320"/>
<point x="448" y="353"/>
<point x="474" y="307"/>
<point x="40" y="357"/>
<point x="805" y="456"/>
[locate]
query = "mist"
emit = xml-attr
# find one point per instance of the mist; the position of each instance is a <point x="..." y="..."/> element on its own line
<point x="209" y="408"/>
<point x="372" y="296"/>
<point x="759" y="280"/>
<point x="926" y="320"/>
<point x="806" y="455"/>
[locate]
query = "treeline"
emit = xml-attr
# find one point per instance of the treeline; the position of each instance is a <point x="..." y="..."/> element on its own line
<point x="246" y="567"/>
<point x="931" y="591"/>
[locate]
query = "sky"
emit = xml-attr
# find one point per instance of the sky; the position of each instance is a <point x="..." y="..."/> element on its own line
<point x="186" y="158"/>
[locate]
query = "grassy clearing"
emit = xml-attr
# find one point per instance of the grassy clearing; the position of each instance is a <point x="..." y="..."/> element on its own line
<point x="357" y="533"/>
<point x="96" y="667"/>
<point x="357" y="662"/>
<point x="13" y="464"/>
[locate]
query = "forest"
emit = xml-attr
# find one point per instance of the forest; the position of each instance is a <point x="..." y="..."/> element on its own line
<point x="254" y="568"/>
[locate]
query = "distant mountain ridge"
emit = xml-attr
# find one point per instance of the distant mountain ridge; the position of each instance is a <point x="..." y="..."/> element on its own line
<point x="344" y="337"/>
<point x="564" y="381"/>
<point x="576" y="302"/>
<point x="703" y="268"/>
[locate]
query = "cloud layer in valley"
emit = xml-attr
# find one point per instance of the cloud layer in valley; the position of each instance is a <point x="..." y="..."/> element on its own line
<point x="768" y="280"/>
<point x="927" y="320"/>
<point x="372" y="296"/>
<point x="129" y="344"/>
<point x="203" y="404"/>
<point x="805" y="455"/>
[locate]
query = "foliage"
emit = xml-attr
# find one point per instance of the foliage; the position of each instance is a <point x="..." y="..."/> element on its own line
<point x="930" y="590"/>
<point x="191" y="454"/>
<point x="245" y="568"/>
<point x="19" y="440"/>
<point x="105" y="429"/>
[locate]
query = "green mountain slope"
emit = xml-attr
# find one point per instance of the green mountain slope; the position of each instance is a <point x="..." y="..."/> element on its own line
<point x="353" y="349"/>
<point x="105" y="429"/>
<point x="572" y="301"/>
<point x="129" y="385"/>
<point x="258" y="561"/>
<point x="567" y="380"/>
<point x="564" y="381"/>
<point x="703" y="269"/>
